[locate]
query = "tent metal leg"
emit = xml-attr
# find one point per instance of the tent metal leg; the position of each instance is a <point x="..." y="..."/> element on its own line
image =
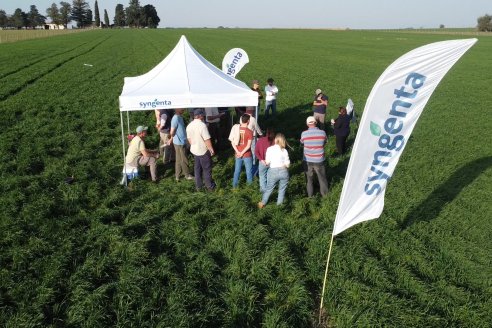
<point x="123" y="149"/>
<point x="127" y="122"/>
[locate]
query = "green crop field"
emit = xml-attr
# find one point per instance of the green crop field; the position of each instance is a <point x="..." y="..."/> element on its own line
<point x="94" y="254"/>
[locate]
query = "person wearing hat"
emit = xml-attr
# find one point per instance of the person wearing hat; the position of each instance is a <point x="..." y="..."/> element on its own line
<point x="320" y="104"/>
<point x="202" y="150"/>
<point x="138" y="154"/>
<point x="314" y="141"/>
<point x="271" y="92"/>
<point x="256" y="88"/>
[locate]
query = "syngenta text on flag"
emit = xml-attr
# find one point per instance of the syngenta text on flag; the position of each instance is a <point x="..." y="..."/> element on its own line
<point x="392" y="109"/>
<point x="234" y="60"/>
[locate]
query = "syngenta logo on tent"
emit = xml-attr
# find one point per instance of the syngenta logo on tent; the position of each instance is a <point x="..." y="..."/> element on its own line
<point x="231" y="68"/>
<point x="154" y="104"/>
<point x="390" y="140"/>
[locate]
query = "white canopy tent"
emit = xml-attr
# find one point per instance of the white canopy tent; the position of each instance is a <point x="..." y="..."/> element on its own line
<point x="184" y="79"/>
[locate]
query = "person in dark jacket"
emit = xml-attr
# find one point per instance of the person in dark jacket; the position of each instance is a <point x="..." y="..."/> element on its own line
<point x="341" y="129"/>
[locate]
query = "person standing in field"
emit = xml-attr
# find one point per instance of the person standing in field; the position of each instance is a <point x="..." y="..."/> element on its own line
<point x="242" y="150"/>
<point x="138" y="154"/>
<point x="225" y="126"/>
<point x="277" y="158"/>
<point x="260" y="152"/>
<point x="271" y="92"/>
<point x="163" y="125"/>
<point x="178" y="139"/>
<point x="253" y="123"/>
<point x="314" y="141"/>
<point x="256" y="87"/>
<point x="320" y="104"/>
<point x="212" y="117"/>
<point x="202" y="150"/>
<point x="341" y="129"/>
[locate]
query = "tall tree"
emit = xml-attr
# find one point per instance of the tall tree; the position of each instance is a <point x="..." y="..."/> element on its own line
<point x="97" y="18"/>
<point x="54" y="14"/>
<point x="88" y="18"/>
<point x="119" y="16"/>
<point x="19" y="19"/>
<point x="34" y="18"/>
<point x="106" y="18"/>
<point x="134" y="14"/>
<point x="3" y="18"/>
<point x="149" y="17"/>
<point x="65" y="13"/>
<point x="79" y="12"/>
<point x="484" y="23"/>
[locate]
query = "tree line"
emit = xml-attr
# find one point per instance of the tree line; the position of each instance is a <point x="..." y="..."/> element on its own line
<point x="79" y="11"/>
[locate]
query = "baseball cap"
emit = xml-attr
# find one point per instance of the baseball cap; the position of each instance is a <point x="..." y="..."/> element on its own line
<point x="310" y="120"/>
<point x="255" y="81"/>
<point x="270" y="80"/>
<point x="198" y="111"/>
<point x="318" y="91"/>
<point x="141" y="128"/>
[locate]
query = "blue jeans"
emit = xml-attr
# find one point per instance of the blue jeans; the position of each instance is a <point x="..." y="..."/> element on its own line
<point x="262" y="175"/>
<point x="280" y="175"/>
<point x="248" y="163"/>
<point x="271" y="104"/>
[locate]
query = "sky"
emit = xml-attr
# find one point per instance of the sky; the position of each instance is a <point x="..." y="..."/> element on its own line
<point x="353" y="14"/>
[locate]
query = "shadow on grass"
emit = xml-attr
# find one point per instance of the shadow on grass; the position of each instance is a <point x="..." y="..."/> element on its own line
<point x="430" y="208"/>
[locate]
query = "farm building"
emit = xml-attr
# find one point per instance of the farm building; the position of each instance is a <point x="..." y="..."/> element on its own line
<point x="53" y="27"/>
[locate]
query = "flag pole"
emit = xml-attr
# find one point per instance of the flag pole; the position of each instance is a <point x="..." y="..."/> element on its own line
<point x="324" y="280"/>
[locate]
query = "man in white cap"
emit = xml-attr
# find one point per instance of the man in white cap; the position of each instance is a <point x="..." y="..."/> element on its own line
<point x="320" y="104"/>
<point x="314" y="141"/>
<point x="202" y="150"/>
<point x="138" y="154"/>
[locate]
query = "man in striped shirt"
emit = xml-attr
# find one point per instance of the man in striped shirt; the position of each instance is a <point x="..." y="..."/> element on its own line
<point x="314" y="141"/>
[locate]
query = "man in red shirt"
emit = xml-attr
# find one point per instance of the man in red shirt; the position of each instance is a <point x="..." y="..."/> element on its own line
<point x="242" y="148"/>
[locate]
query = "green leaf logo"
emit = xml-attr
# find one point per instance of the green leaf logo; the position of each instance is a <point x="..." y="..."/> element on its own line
<point x="375" y="129"/>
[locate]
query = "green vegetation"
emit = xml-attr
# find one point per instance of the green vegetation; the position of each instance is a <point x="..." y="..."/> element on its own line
<point x="94" y="254"/>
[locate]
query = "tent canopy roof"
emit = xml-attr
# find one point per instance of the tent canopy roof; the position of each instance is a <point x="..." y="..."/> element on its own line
<point x="184" y="79"/>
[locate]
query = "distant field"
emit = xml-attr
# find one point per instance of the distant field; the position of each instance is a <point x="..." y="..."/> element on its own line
<point x="20" y="35"/>
<point x="93" y="254"/>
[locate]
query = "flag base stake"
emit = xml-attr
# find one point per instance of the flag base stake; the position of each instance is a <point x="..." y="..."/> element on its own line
<point x="325" y="278"/>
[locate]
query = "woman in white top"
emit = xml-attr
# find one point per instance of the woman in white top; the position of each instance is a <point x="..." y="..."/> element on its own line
<point x="277" y="158"/>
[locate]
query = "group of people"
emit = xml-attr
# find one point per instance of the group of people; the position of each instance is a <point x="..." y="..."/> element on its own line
<point x="205" y="133"/>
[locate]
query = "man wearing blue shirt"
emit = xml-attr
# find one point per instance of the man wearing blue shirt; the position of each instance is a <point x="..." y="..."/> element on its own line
<point x="178" y="138"/>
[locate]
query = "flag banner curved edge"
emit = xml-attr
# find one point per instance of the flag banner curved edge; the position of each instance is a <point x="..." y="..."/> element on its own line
<point x="390" y="114"/>
<point x="349" y="107"/>
<point x="234" y="60"/>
